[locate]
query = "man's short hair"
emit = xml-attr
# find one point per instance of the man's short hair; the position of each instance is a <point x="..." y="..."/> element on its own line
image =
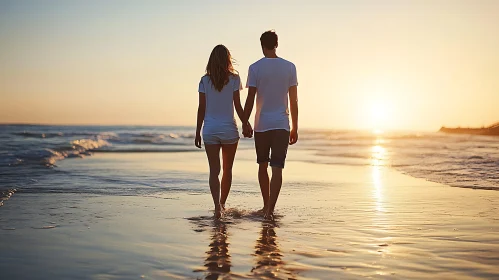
<point x="269" y="40"/>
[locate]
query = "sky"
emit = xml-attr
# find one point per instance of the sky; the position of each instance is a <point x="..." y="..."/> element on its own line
<point x="373" y="64"/>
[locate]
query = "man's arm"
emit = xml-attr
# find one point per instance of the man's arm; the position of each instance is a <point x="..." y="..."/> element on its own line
<point x="293" y="104"/>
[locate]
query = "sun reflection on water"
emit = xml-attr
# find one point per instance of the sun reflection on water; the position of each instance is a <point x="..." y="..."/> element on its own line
<point x="378" y="160"/>
<point x="378" y="188"/>
<point x="380" y="201"/>
<point x="378" y="155"/>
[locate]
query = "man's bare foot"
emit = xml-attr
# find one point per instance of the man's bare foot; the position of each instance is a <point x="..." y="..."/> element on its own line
<point x="223" y="207"/>
<point x="269" y="216"/>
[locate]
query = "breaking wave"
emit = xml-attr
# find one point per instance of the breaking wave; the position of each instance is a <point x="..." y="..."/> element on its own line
<point x="45" y="145"/>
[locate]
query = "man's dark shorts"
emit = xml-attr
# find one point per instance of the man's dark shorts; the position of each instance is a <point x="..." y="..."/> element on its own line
<point x="272" y="146"/>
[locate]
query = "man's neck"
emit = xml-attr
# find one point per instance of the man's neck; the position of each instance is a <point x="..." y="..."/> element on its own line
<point x="270" y="54"/>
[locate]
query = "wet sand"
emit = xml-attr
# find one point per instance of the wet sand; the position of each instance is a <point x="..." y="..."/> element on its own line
<point x="334" y="222"/>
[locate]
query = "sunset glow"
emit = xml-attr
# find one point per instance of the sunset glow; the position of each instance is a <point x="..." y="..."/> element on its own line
<point x="286" y="139"/>
<point x="377" y="66"/>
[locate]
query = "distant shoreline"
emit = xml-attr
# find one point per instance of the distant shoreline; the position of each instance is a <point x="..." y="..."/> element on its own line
<point x="492" y="130"/>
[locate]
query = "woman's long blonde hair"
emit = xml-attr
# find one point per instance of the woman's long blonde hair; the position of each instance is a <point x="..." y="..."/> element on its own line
<point x="219" y="67"/>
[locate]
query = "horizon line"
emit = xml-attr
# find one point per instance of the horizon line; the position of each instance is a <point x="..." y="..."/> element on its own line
<point x="193" y="126"/>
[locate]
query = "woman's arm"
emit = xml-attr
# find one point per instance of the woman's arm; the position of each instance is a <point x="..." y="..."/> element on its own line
<point x="239" y="108"/>
<point x="247" y="130"/>
<point x="248" y="107"/>
<point x="250" y="100"/>
<point x="201" y="112"/>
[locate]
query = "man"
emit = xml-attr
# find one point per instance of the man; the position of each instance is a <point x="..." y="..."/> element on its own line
<point x="272" y="79"/>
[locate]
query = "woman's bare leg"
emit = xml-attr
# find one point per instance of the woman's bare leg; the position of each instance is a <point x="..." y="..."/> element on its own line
<point x="228" y="155"/>
<point x="213" y="154"/>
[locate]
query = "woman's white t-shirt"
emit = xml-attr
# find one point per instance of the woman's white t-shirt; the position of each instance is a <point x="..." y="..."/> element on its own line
<point x="219" y="114"/>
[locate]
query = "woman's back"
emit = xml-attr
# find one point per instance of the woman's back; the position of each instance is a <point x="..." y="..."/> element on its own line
<point x="219" y="115"/>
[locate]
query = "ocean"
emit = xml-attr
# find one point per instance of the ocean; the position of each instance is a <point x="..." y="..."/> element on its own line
<point x="133" y="202"/>
<point x="30" y="154"/>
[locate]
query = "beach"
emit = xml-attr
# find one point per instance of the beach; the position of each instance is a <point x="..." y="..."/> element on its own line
<point x="333" y="222"/>
<point x="390" y="110"/>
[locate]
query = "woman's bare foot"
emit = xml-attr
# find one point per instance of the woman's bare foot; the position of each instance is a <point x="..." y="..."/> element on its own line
<point x="262" y="211"/>
<point x="218" y="212"/>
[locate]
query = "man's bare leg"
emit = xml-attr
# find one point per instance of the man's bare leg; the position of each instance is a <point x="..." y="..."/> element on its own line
<point x="275" y="189"/>
<point x="263" y="179"/>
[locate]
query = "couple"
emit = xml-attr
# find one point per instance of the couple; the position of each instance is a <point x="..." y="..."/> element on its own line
<point x="271" y="79"/>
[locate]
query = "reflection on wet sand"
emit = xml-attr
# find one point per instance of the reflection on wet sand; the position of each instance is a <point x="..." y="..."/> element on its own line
<point x="268" y="256"/>
<point x="218" y="260"/>
<point x="378" y="161"/>
<point x="380" y="220"/>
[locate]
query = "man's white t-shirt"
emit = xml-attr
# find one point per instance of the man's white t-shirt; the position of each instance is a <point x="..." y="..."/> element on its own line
<point x="219" y="114"/>
<point x="272" y="78"/>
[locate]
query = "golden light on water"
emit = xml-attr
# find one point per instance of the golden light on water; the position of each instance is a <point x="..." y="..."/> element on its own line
<point x="378" y="155"/>
<point x="378" y="187"/>
<point x="378" y="158"/>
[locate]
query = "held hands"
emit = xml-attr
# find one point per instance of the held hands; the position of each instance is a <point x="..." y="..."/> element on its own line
<point x="247" y="130"/>
<point x="293" y="136"/>
<point x="197" y="140"/>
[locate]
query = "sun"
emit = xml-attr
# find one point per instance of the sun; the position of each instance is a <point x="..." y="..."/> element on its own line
<point x="379" y="115"/>
<point x="379" y="112"/>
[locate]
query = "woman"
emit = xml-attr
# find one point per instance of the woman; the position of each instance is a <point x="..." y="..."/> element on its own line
<point x="218" y="95"/>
